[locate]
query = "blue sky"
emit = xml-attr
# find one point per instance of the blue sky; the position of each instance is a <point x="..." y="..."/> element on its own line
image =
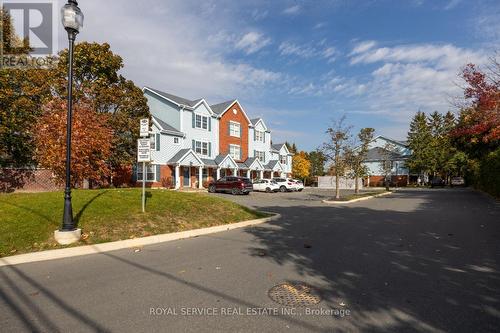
<point x="300" y="64"/>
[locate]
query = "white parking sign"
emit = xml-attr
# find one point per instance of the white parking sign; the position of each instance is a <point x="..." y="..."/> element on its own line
<point x="143" y="150"/>
<point x="144" y="128"/>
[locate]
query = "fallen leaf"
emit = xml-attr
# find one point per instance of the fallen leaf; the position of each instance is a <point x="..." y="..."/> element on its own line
<point x="35" y="293"/>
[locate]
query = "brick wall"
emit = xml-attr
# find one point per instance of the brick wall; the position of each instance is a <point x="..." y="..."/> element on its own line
<point x="225" y="139"/>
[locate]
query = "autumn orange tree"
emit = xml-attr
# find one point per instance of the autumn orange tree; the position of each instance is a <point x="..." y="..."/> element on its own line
<point x="91" y="142"/>
<point x="300" y="165"/>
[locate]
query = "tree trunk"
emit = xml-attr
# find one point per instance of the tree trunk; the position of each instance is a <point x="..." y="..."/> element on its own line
<point x="356" y="187"/>
<point x="337" y="189"/>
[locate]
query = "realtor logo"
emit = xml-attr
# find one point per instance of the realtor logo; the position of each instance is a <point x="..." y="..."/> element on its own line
<point x="32" y="20"/>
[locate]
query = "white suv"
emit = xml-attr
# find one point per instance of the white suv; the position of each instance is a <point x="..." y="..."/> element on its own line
<point x="298" y="184"/>
<point x="265" y="185"/>
<point x="285" y="185"/>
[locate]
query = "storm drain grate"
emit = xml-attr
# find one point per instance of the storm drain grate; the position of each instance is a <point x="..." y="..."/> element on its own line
<point x="293" y="294"/>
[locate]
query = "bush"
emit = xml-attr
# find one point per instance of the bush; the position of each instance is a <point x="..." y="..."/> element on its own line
<point x="489" y="173"/>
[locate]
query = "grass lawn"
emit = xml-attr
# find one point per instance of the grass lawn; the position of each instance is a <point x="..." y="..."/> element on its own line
<point x="353" y="196"/>
<point x="28" y="220"/>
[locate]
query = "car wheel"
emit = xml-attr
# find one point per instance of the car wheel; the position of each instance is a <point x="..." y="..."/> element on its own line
<point x="282" y="188"/>
<point x="211" y="189"/>
<point x="268" y="190"/>
<point x="300" y="190"/>
<point x="234" y="191"/>
<point x="246" y="193"/>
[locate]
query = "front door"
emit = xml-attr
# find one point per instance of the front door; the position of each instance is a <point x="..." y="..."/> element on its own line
<point x="187" y="177"/>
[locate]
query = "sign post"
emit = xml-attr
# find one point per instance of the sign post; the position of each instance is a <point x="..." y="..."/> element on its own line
<point x="144" y="155"/>
<point x="144" y="127"/>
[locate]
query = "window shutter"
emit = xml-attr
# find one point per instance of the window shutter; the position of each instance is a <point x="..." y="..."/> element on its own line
<point x="157" y="173"/>
<point x="264" y="136"/>
<point x="157" y="141"/>
<point x="134" y="173"/>
<point x="254" y="134"/>
<point x="194" y="145"/>
<point x="210" y="149"/>
<point x="229" y="129"/>
<point x="193" y="118"/>
<point x="240" y="154"/>
<point x="210" y="124"/>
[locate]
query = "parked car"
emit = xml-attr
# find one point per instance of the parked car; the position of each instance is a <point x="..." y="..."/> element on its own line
<point x="298" y="184"/>
<point x="457" y="181"/>
<point x="233" y="185"/>
<point x="265" y="185"/>
<point x="285" y="185"/>
<point x="437" y="181"/>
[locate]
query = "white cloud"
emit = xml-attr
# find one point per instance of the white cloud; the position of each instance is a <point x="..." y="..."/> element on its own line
<point x="292" y="10"/>
<point x="252" y="42"/>
<point x="410" y="77"/>
<point x="258" y="15"/>
<point x="319" y="25"/>
<point x="363" y="47"/>
<point x="182" y="54"/>
<point x="452" y="4"/>
<point x="443" y="56"/>
<point x="307" y="51"/>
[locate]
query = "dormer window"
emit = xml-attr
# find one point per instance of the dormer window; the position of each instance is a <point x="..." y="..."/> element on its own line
<point x="201" y="121"/>
<point x="259" y="135"/>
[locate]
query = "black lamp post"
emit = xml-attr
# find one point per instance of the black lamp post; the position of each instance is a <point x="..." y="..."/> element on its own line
<point x="72" y="20"/>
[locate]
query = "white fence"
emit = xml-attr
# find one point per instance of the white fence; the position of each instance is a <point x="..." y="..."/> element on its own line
<point x="344" y="183"/>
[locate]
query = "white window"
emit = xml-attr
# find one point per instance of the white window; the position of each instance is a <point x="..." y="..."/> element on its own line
<point x="261" y="156"/>
<point x="259" y="136"/>
<point x="234" y="129"/>
<point x="201" y="147"/>
<point x="201" y="121"/>
<point x="176" y="140"/>
<point x="283" y="159"/>
<point x="235" y="151"/>
<point x="150" y="172"/>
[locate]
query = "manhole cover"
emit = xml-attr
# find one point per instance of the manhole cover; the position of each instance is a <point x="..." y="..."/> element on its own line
<point x="293" y="294"/>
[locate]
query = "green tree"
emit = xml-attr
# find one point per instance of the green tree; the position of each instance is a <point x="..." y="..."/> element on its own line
<point x="22" y="94"/>
<point x="97" y="80"/>
<point x="317" y="160"/>
<point x="419" y="141"/>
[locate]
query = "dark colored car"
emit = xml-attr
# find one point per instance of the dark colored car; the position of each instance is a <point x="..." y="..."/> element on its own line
<point x="437" y="182"/>
<point x="231" y="184"/>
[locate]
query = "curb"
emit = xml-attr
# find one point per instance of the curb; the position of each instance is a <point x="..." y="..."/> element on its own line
<point x="127" y="243"/>
<point x="356" y="200"/>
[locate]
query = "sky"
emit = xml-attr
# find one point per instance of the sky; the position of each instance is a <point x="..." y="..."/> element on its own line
<point x="302" y="64"/>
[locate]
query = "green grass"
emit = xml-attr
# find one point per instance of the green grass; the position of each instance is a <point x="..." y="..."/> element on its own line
<point x="357" y="196"/>
<point x="28" y="220"/>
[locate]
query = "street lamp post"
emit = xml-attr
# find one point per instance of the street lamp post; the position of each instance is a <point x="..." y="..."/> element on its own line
<point x="72" y="20"/>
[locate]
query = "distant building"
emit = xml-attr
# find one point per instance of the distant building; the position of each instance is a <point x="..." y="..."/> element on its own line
<point x="378" y="152"/>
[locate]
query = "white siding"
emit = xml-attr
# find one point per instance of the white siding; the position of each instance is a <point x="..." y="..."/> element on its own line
<point x="259" y="145"/>
<point x="167" y="147"/>
<point x="199" y="134"/>
<point x="163" y="109"/>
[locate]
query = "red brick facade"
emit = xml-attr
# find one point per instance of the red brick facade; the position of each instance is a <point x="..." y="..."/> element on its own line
<point x="225" y="139"/>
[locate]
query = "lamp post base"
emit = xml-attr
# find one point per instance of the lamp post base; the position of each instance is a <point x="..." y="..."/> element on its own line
<point x="67" y="237"/>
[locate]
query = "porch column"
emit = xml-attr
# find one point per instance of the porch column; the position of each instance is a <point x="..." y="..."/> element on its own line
<point x="218" y="174"/>
<point x="200" y="177"/>
<point x="248" y="173"/>
<point x="261" y="174"/>
<point x="235" y="172"/>
<point x="177" y="177"/>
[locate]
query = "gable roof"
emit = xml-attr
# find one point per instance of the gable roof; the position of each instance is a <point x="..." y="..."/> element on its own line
<point x="398" y="142"/>
<point x="252" y="161"/>
<point x="255" y="121"/>
<point x="272" y="164"/>
<point x="181" y="154"/>
<point x="277" y="147"/>
<point x="181" y="101"/>
<point x="222" y="107"/>
<point x="380" y="154"/>
<point x="164" y="127"/>
<point x="219" y="159"/>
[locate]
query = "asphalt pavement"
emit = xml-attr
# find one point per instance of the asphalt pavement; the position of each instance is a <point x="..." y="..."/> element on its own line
<point x="418" y="260"/>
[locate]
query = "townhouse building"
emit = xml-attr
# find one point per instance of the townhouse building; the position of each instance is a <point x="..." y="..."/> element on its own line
<point x="194" y="143"/>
